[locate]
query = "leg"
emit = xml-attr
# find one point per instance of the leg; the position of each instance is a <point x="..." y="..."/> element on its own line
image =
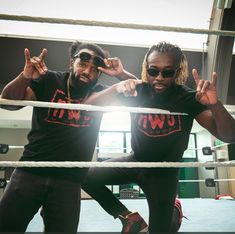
<point x="99" y="177"/>
<point x="61" y="208"/>
<point x="20" y="201"/>
<point x="159" y="186"/>
<point x="95" y="187"/>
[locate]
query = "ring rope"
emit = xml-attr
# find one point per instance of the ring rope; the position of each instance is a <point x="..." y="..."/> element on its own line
<point x="194" y="181"/>
<point x="16" y="147"/>
<point x="203" y="181"/>
<point x="85" y="107"/>
<point x="114" y="25"/>
<point x="221" y="145"/>
<point x="115" y="148"/>
<point x="88" y="164"/>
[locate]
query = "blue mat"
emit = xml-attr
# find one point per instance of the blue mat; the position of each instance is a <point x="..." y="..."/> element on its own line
<point x="204" y="215"/>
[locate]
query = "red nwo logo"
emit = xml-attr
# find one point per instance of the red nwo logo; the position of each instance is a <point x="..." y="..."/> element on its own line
<point x="157" y="125"/>
<point x="67" y="117"/>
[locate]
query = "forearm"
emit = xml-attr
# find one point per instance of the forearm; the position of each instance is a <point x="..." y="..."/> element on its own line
<point x="105" y="97"/>
<point x="225" y="123"/>
<point x="16" y="89"/>
<point x="125" y="75"/>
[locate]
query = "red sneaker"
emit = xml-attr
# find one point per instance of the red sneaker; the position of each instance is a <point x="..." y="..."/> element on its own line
<point x="133" y="223"/>
<point x="177" y="216"/>
<point x="179" y="208"/>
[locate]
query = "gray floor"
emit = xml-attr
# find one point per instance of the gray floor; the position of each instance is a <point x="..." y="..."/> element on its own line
<point x="204" y="215"/>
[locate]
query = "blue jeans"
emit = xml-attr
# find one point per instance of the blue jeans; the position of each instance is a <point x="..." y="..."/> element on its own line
<point x="27" y="192"/>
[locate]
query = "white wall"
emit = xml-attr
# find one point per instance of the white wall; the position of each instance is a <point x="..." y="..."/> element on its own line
<point x="16" y="119"/>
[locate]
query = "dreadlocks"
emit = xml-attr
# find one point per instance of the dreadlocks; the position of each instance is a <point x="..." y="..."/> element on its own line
<point x="180" y="60"/>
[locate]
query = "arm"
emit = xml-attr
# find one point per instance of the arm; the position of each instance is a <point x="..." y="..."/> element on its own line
<point x="127" y="86"/>
<point x="18" y="89"/>
<point x="216" y="120"/>
<point x="110" y="95"/>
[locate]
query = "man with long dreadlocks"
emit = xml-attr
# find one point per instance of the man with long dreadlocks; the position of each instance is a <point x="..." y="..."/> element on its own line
<point x="158" y="137"/>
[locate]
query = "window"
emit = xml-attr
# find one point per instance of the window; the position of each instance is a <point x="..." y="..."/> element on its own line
<point x="113" y="144"/>
<point x="191" y="152"/>
<point x="115" y="137"/>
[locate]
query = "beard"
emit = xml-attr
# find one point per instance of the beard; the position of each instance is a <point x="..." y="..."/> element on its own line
<point x="81" y="85"/>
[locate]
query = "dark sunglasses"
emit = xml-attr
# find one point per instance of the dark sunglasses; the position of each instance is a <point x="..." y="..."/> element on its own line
<point x="166" y="73"/>
<point x="86" y="57"/>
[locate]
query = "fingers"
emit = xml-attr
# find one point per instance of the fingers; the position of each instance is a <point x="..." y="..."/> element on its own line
<point x="27" y="55"/>
<point x="113" y="66"/>
<point x="113" y="63"/>
<point x="196" y="76"/>
<point x="39" y="65"/>
<point x="203" y="85"/>
<point x="32" y="63"/>
<point x="128" y="87"/>
<point x="43" y="54"/>
<point x="206" y="89"/>
<point x="138" y="82"/>
<point x="214" y="79"/>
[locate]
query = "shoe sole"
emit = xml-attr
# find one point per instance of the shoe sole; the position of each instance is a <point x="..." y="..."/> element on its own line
<point x="144" y="230"/>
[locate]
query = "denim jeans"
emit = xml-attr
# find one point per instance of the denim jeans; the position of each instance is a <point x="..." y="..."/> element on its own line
<point x="27" y="192"/>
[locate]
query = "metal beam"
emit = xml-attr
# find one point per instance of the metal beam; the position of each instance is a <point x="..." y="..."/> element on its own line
<point x="219" y="57"/>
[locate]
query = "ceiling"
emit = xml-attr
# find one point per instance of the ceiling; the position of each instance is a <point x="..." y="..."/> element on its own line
<point x="174" y="13"/>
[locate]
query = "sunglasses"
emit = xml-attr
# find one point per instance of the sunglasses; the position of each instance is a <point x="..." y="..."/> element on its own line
<point x="165" y="74"/>
<point x="86" y="57"/>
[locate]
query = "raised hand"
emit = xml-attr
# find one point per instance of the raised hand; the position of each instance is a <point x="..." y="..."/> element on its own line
<point x="206" y="89"/>
<point x="114" y="66"/>
<point x="35" y="66"/>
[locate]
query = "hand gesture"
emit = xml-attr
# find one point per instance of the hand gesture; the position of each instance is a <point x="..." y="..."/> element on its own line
<point x="128" y="87"/>
<point x="35" y="66"/>
<point x="206" y="90"/>
<point x="114" y="67"/>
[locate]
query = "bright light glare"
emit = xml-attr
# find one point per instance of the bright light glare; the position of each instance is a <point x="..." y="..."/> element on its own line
<point x="115" y="121"/>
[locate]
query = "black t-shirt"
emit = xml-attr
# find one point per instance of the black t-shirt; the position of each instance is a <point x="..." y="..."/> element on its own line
<point x="163" y="137"/>
<point x="61" y="134"/>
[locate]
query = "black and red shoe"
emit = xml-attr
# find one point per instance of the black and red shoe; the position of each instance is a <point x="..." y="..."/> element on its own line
<point x="177" y="216"/>
<point x="133" y="223"/>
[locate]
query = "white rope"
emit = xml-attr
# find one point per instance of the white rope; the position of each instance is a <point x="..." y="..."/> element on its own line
<point x="193" y="181"/>
<point x="67" y="164"/>
<point x="16" y="147"/>
<point x="218" y="146"/>
<point x="121" y="148"/>
<point x="212" y="147"/>
<point x="115" y="25"/>
<point x="71" y="106"/>
<point x="85" y="107"/>
<point x="203" y="181"/>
